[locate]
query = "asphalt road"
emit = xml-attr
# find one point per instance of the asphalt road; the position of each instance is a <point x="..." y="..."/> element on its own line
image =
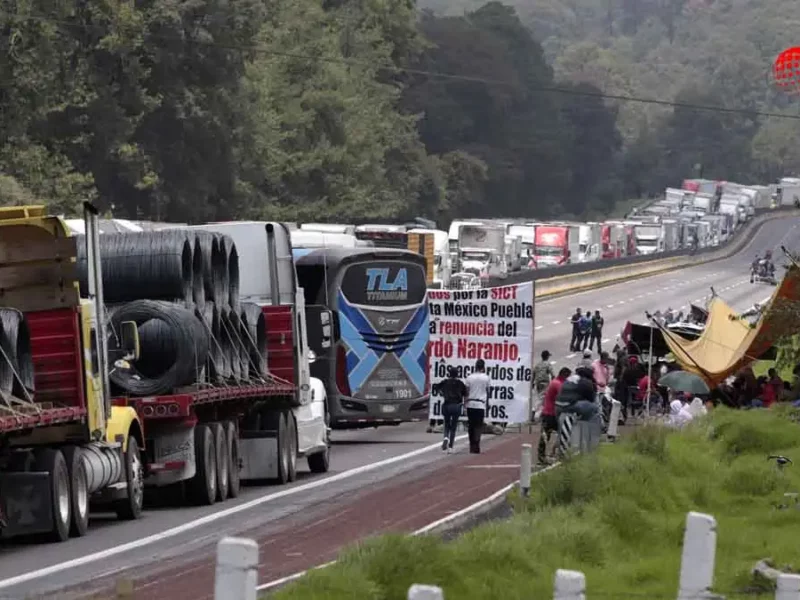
<point x="31" y="569"/>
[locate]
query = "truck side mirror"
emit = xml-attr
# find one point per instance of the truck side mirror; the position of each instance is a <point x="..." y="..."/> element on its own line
<point x="129" y="333"/>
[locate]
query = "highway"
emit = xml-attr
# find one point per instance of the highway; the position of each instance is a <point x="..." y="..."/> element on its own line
<point x="363" y="458"/>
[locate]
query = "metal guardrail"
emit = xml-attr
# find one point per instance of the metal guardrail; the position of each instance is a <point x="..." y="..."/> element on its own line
<point x="578" y="268"/>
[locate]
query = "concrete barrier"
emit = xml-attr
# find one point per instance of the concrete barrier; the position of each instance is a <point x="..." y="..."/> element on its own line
<point x="596" y="276"/>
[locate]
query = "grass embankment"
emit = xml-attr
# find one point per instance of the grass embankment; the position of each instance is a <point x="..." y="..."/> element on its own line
<point x="618" y="516"/>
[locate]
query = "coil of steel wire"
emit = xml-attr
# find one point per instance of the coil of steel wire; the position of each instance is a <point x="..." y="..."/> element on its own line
<point x="210" y="319"/>
<point x="241" y="335"/>
<point x="224" y="242"/>
<point x="157" y="265"/>
<point x="198" y="272"/>
<point x="6" y="366"/>
<point x="214" y="266"/>
<point x="233" y="279"/>
<point x="255" y="327"/>
<point x="230" y="335"/>
<point x="225" y="344"/>
<point x="16" y="343"/>
<point x="172" y="352"/>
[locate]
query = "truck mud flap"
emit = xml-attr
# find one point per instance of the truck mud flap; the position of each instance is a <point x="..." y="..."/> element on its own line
<point x="258" y="452"/>
<point x="25" y="503"/>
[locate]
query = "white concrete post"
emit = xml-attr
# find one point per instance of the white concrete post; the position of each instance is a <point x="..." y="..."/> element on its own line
<point x="697" y="560"/>
<point x="237" y="569"/>
<point x="788" y="587"/>
<point x="525" y="466"/>
<point x="613" y="420"/>
<point x="425" y="592"/>
<point x="569" y="585"/>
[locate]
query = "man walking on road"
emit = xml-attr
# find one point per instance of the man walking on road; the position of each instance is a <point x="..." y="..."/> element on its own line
<point x="454" y="392"/>
<point x="597" y="332"/>
<point x="477" y="404"/>
<point x="549" y="420"/>
<point x="576" y="330"/>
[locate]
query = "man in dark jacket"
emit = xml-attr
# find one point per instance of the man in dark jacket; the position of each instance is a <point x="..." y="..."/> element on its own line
<point x="454" y="393"/>
<point x="576" y="330"/>
<point x="577" y="396"/>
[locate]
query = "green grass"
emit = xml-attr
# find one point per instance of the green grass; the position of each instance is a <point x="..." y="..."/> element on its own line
<point x="617" y="515"/>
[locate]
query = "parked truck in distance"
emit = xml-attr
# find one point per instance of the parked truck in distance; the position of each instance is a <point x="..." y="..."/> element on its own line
<point x="649" y="238"/>
<point x="482" y="249"/>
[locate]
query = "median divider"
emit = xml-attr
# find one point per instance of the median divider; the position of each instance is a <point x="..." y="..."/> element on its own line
<point x="599" y="277"/>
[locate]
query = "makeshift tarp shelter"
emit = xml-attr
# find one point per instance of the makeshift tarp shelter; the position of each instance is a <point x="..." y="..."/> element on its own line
<point x="729" y="342"/>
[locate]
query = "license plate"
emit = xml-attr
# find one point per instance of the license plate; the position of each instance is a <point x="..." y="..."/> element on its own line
<point x="388" y="408"/>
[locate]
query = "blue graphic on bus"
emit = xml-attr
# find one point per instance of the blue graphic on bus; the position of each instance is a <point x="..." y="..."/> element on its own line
<point x="366" y="346"/>
<point x="381" y="278"/>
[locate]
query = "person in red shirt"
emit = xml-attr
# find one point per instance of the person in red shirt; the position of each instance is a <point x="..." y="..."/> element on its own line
<point x="549" y="420"/>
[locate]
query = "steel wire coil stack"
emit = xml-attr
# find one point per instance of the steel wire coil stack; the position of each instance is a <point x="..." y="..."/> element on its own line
<point x="228" y="322"/>
<point x="173" y="352"/>
<point x="233" y="278"/>
<point x="16" y="372"/>
<point x="254" y="327"/>
<point x="210" y="319"/>
<point x="214" y="266"/>
<point x="224" y="243"/>
<point x="157" y="265"/>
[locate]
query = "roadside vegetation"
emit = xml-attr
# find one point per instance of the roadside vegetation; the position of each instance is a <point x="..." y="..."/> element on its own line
<point x="617" y="515"/>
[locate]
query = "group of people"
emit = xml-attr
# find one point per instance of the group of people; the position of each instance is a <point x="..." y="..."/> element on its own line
<point x="587" y="331"/>
<point x="569" y="391"/>
<point x="471" y="395"/>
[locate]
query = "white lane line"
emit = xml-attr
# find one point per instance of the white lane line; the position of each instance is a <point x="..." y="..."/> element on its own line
<point x="556" y="322"/>
<point x="538" y="327"/>
<point x="609" y="306"/>
<point x="621" y="302"/>
<point x="571" y="355"/>
<point x="174" y="531"/>
<point x="606" y="340"/>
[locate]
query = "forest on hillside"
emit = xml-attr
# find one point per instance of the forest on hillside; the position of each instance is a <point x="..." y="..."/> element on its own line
<point x="366" y="110"/>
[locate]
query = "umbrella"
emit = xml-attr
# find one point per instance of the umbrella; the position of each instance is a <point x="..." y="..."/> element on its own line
<point x="683" y="381"/>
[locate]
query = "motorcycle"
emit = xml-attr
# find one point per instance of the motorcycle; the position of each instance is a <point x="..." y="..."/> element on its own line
<point x="763" y="272"/>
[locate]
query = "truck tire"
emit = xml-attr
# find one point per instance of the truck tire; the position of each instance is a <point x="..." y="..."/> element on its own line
<point x="130" y="507"/>
<point x="223" y="461"/>
<point x="291" y="443"/>
<point x="79" y="490"/>
<point x="234" y="466"/>
<point x="204" y="484"/>
<point x="52" y="461"/>
<point x="321" y="461"/>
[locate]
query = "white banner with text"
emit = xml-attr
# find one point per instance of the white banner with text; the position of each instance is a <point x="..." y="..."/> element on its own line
<point x="495" y="324"/>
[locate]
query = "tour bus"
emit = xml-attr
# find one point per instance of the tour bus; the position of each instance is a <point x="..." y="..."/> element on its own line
<point x="367" y="316"/>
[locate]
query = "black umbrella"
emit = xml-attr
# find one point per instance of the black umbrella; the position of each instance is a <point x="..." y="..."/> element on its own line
<point x="683" y="381"/>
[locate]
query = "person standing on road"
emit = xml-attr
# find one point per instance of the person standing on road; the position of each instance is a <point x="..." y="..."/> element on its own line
<point x="542" y="376"/>
<point x="549" y="420"/>
<point x="597" y="332"/>
<point x="477" y="404"/>
<point x="454" y="393"/>
<point x="576" y="330"/>
<point x="585" y="328"/>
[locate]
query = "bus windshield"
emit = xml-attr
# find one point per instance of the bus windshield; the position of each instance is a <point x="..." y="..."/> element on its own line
<point x="383" y="324"/>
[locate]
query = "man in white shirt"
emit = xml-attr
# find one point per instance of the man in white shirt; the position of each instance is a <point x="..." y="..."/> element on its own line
<point x="477" y="404"/>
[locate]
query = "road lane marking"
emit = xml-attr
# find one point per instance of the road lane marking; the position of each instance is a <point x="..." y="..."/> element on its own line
<point x="202" y="521"/>
<point x="609" y="306"/>
<point x="538" y="327"/>
<point x="556" y="322"/>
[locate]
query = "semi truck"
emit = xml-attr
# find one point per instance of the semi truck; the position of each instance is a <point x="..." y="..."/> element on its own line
<point x="442" y="264"/>
<point x="649" y="238"/>
<point x="555" y="245"/>
<point x="482" y="249"/>
<point x="400" y="237"/>
<point x="589" y="237"/>
<point x="65" y="444"/>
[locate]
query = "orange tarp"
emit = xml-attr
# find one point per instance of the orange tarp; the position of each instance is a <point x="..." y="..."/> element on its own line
<point x="729" y="343"/>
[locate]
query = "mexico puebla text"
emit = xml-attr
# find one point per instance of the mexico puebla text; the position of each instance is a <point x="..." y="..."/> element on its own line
<point x="491" y="310"/>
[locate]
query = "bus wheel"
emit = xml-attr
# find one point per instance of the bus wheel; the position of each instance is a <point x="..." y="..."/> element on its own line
<point x="52" y="461"/>
<point x="223" y="463"/>
<point x="130" y="507"/>
<point x="234" y="466"/>
<point x="291" y="446"/>
<point x="79" y="490"/>
<point x="204" y="482"/>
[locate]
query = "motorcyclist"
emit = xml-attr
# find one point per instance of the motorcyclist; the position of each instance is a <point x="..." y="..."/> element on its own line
<point x="577" y="396"/>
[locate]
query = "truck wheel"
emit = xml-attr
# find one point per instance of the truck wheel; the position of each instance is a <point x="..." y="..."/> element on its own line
<point x="130" y="507"/>
<point x="223" y="462"/>
<point x="234" y="466"/>
<point x="279" y="422"/>
<point x="52" y="461"/>
<point x="291" y="444"/>
<point x="79" y="490"/>
<point x="204" y="483"/>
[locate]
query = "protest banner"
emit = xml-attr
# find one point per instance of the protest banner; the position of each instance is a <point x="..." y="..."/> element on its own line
<point x="495" y="324"/>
